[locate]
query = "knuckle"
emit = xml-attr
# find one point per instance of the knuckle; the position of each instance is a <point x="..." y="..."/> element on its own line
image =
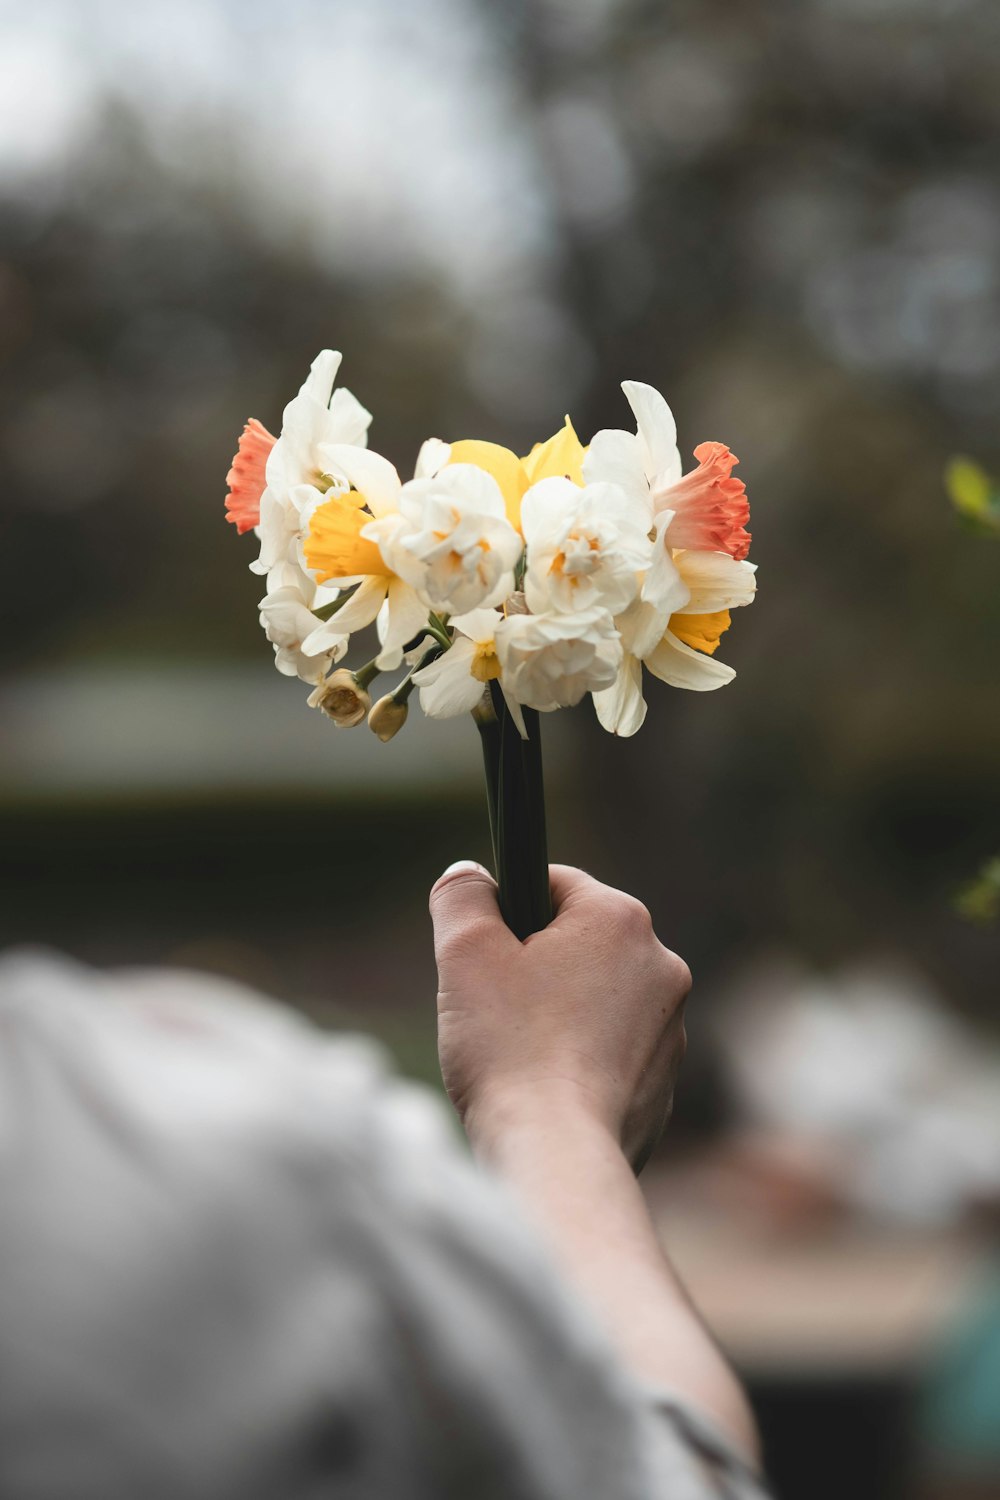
<point x="683" y="979"/>
<point x="676" y="975"/>
<point x="633" y="917"/>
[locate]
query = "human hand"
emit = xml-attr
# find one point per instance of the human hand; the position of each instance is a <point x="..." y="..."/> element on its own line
<point x="585" y="1016"/>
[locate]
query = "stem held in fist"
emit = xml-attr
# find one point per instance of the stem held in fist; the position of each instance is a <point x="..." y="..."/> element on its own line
<point x="516" y="799"/>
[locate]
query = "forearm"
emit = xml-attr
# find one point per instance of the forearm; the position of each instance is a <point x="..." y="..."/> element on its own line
<point x="571" y="1176"/>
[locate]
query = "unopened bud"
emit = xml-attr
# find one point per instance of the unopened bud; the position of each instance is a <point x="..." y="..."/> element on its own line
<point x="342" y="699"/>
<point x="387" y="717"/>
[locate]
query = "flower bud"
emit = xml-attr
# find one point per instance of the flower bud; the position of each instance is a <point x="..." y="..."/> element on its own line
<point x="387" y="717"/>
<point x="342" y="699"/>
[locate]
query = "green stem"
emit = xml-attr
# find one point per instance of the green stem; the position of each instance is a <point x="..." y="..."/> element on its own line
<point x="517" y="815"/>
<point x="438" y="628"/>
<point x="402" y="690"/>
<point x="367" y="674"/>
<point x="327" y="611"/>
<point x="489" y="733"/>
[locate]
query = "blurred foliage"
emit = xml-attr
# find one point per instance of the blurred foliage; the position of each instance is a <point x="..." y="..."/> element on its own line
<point x="974" y="495"/>
<point x="785" y="217"/>
<point x="979" y="901"/>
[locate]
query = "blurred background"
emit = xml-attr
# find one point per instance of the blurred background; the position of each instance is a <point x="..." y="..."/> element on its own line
<point x="786" y="216"/>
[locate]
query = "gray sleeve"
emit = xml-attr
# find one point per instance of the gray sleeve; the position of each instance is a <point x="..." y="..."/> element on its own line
<point x="239" y="1259"/>
<point x="692" y="1458"/>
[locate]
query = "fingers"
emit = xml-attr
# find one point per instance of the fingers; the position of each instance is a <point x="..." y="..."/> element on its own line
<point x="570" y="886"/>
<point x="464" y="910"/>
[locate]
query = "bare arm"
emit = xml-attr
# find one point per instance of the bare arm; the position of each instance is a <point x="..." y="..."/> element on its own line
<point x="560" y="1055"/>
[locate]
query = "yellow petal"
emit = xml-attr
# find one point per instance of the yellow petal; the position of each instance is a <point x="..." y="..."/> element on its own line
<point x="561" y="456"/>
<point x="703" y="632"/>
<point x="335" y="546"/>
<point x="505" y="466"/>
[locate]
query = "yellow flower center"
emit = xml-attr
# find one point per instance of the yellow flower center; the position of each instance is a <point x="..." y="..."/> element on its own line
<point x="703" y="632"/>
<point x="485" y="662"/>
<point x="335" y="546"/>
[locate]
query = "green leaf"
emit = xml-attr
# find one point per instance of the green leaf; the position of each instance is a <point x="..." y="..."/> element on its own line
<point x="974" y="495"/>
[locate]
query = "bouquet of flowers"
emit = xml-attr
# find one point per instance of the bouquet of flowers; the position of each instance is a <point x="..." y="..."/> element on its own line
<point x="499" y="585"/>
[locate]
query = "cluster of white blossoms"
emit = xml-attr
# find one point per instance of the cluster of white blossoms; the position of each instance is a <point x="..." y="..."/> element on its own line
<point x="555" y="575"/>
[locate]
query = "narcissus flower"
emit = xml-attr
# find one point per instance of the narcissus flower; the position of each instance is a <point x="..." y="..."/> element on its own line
<point x="709" y="508"/>
<point x="562" y="572"/>
<point x="585" y="547"/>
<point x="336" y="547"/>
<point x="451" y="540"/>
<point x="454" y="683"/>
<point x="295" y="474"/>
<point x="342" y="698"/>
<point x="677" y="638"/>
<point x="440" y="542"/>
<point x="549" y="661"/>
<point x="287" y="617"/>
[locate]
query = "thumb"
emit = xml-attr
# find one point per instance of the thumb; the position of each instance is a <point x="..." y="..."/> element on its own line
<point x="464" y="907"/>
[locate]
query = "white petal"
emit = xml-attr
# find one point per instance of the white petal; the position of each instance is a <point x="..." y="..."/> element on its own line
<point x="447" y="686"/>
<point x="681" y="666"/>
<point x="403" y="617"/>
<point x="359" y="611"/>
<point x="478" y="624"/>
<point x="369" y="473"/>
<point x="412" y="656"/>
<point x="288" y="574"/>
<point x="466" y="486"/>
<point x="663" y="586"/>
<point x="715" y="581"/>
<point x="616" y="457"/>
<point x="657" y="431"/>
<point x="641" y="627"/>
<point x="622" y="708"/>
<point x="279" y="523"/>
<point x="318" y="384"/>
<point x="431" y="459"/>
<point x="546" y="505"/>
<point x="350" y="421"/>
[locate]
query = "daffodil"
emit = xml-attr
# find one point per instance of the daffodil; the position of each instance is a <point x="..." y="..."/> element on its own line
<point x="585" y="546"/>
<point x="337" y="547"/>
<point x="550" y="661"/>
<point x="510" y="584"/>
<point x="677" y="638"/>
<point x="287" y="617"/>
<point x="454" y="683"/>
<point x="439" y="543"/>
<point x="451" y="540"/>
<point x="708" y="507"/>
<point x="291" y="466"/>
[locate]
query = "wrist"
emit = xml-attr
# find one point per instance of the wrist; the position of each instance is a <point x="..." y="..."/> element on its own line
<point x="502" y="1118"/>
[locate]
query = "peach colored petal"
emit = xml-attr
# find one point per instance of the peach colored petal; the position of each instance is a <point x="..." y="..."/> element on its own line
<point x="246" y="478"/>
<point x="711" y="506"/>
